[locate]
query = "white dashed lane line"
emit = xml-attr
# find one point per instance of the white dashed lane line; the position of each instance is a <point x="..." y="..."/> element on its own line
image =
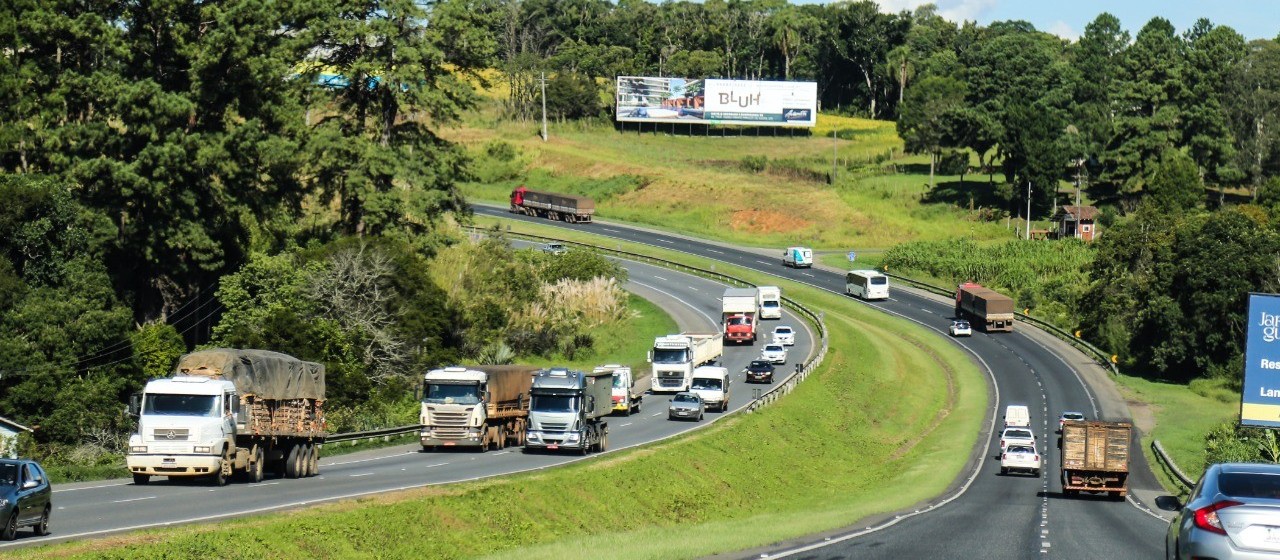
<point x="134" y="500"/>
<point x="360" y="475"/>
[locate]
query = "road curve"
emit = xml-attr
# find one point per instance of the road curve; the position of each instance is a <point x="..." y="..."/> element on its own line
<point x="87" y="510"/>
<point x="989" y="515"/>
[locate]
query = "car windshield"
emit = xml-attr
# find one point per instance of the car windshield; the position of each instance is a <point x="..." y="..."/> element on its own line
<point x="773" y="348"/>
<point x="678" y="356"/>
<point x="770" y="303"/>
<point x="1019" y="449"/>
<point x="1023" y="434"/>
<point x="1072" y="416"/>
<point x="449" y="393"/>
<point x="1250" y="485"/>
<point x="782" y="330"/>
<point x="553" y="403"/>
<point x="962" y="325"/>
<point x="8" y="474"/>
<point x="705" y="383"/>
<point x="180" y="405"/>
<point x="879" y="280"/>
<point x="757" y="364"/>
<point x="685" y="398"/>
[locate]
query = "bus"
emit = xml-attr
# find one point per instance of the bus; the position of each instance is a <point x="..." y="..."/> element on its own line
<point x="866" y="284"/>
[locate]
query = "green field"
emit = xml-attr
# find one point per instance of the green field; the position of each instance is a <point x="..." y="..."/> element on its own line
<point x="888" y="420"/>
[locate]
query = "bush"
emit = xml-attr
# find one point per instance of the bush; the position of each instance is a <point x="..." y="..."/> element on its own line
<point x="755" y="164"/>
<point x="953" y="163"/>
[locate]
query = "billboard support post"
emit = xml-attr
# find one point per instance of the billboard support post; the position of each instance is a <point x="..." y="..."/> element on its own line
<point x="544" y="106"/>
<point x="1260" y="398"/>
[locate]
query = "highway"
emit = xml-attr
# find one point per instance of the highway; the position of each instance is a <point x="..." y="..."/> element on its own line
<point x="86" y="510"/>
<point x="986" y="515"/>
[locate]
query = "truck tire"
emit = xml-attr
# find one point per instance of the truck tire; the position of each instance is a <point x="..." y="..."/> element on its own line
<point x="305" y="468"/>
<point x="315" y="460"/>
<point x="502" y="438"/>
<point x="291" y="462"/>
<point x="141" y="479"/>
<point x="219" y="478"/>
<point x="256" y="467"/>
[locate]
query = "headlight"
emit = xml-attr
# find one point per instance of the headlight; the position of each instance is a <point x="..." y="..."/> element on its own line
<point x="137" y="449"/>
<point x="3" y="502"/>
<point x="203" y="449"/>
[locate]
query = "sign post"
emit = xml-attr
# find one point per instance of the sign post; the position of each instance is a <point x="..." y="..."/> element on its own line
<point x="1260" y="403"/>
<point x="853" y="256"/>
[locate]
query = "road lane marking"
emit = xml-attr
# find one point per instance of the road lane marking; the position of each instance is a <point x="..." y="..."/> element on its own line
<point x="134" y="500"/>
<point x="91" y="487"/>
<point x="715" y="251"/>
<point x="763" y="262"/>
<point x="627" y="424"/>
<point x="807" y="274"/>
<point x="437" y="465"/>
<point x="667" y="241"/>
<point x="366" y="460"/>
<point x="360" y="475"/>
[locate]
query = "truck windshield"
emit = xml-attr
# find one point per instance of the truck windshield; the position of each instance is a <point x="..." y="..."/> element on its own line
<point x="677" y="356"/>
<point x="618" y="382"/>
<point x="706" y="384"/>
<point x="448" y="393"/>
<point x="770" y="303"/>
<point x="739" y="321"/>
<point x="180" y="405"/>
<point x="554" y="403"/>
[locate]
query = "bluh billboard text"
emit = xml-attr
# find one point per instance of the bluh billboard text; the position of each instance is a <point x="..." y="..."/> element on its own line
<point x="711" y="101"/>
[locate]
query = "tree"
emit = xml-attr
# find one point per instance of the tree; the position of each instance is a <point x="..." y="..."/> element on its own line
<point x="1150" y="103"/>
<point x="922" y="124"/>
<point x="572" y="96"/>
<point x="1253" y="107"/>
<point x="1212" y="53"/>
<point x="1033" y="151"/>
<point x="1175" y="185"/>
<point x="1097" y="57"/>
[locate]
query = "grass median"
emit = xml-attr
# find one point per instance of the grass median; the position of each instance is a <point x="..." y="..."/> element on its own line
<point x="887" y="421"/>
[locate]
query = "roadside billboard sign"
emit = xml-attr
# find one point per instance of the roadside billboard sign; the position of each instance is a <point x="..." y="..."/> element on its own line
<point x="1260" y="403"/>
<point x="712" y="101"/>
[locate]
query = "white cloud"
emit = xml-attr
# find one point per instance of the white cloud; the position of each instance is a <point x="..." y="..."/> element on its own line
<point x="1064" y="30"/>
<point x="952" y="10"/>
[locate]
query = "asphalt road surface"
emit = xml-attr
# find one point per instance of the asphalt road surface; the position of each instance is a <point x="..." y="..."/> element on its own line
<point x="986" y="515"/>
<point x="86" y="510"/>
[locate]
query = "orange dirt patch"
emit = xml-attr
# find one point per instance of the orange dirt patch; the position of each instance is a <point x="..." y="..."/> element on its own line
<point x="767" y="221"/>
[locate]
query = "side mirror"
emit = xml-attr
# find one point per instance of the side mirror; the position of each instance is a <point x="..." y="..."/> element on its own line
<point x="30" y="484"/>
<point x="135" y="404"/>
<point x="1168" y="503"/>
<point x="649" y="358"/>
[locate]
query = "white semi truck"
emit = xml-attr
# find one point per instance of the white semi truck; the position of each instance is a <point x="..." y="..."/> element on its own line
<point x="229" y="411"/>
<point x="477" y="406"/>
<point x="770" y="300"/>
<point x="675" y="356"/>
<point x="568" y="411"/>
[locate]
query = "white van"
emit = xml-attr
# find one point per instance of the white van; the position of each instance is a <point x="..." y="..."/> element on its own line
<point x="1017" y="415"/>
<point x="798" y="257"/>
<point x="770" y="300"/>
<point x="711" y="384"/>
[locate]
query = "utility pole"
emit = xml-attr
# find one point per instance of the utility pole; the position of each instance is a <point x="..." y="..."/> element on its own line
<point x="544" y="106"/>
<point x="1028" y="209"/>
<point x="833" y="157"/>
<point x="1079" y="170"/>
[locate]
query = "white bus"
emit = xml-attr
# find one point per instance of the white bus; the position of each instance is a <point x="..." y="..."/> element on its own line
<point x="866" y="284"/>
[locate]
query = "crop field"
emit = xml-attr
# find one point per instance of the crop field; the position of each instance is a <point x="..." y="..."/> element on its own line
<point x="833" y="451"/>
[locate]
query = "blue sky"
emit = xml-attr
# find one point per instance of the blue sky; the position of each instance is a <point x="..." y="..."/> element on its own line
<point x="1255" y="19"/>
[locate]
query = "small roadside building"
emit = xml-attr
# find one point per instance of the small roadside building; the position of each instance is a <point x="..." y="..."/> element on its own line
<point x="1076" y="221"/>
<point x="9" y="431"/>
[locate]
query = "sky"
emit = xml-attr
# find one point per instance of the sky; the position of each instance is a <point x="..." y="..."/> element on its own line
<point x="1255" y="19"/>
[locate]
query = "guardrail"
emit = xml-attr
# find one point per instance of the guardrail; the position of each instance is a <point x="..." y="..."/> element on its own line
<point x="385" y="433"/>
<point x="1101" y="357"/>
<point x="1186" y="481"/>
<point x="786" y="386"/>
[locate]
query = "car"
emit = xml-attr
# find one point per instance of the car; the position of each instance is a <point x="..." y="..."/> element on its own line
<point x="1019" y="457"/>
<point x="759" y="371"/>
<point x="555" y="248"/>
<point x="1016" y="436"/>
<point x="1234" y="512"/>
<point x="961" y="328"/>
<point x="687" y="406"/>
<point x="1078" y="416"/>
<point x="774" y="353"/>
<point x="784" y="335"/>
<point x="25" y="498"/>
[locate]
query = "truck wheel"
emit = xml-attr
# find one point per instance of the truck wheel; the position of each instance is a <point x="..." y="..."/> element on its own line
<point x="308" y="451"/>
<point x="256" y="469"/>
<point x="291" y="462"/>
<point x="315" y="460"/>
<point x="219" y="478"/>
<point x="141" y="479"/>
<point x="502" y="439"/>
<point x="604" y="443"/>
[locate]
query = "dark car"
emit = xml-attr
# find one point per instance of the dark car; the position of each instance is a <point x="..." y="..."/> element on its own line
<point x="1234" y="512"/>
<point x="25" y="497"/>
<point x="759" y="371"/>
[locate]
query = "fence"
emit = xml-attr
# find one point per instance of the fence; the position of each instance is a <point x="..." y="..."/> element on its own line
<point x="786" y="386"/>
<point x="1170" y="466"/>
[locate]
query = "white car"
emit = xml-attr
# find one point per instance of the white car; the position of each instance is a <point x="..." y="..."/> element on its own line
<point x="774" y="353"/>
<point x="784" y="335"/>
<point x="1077" y="416"/>
<point x="1016" y="436"/>
<point x="961" y="328"/>
<point x="555" y="248"/>
<point x="1019" y="457"/>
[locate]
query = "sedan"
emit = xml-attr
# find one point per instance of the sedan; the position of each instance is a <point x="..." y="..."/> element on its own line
<point x="961" y="328"/>
<point x="1077" y="416"/>
<point x="1020" y="458"/>
<point x="1233" y="513"/>
<point x="1016" y="436"/>
<point x="759" y="371"/>
<point x="686" y="406"/>
<point x="784" y="335"/>
<point x="555" y="248"/>
<point x="774" y="354"/>
<point x="25" y="498"/>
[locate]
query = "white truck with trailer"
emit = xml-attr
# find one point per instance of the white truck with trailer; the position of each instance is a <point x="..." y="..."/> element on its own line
<point x="675" y="356"/>
<point x="769" y="299"/>
<point x="229" y="411"/>
<point x="568" y="410"/>
<point x="478" y="406"/>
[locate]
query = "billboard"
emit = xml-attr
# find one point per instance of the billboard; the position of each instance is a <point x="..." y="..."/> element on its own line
<point x="710" y="101"/>
<point x="1260" y="404"/>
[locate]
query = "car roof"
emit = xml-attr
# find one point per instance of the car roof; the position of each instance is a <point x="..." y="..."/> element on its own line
<point x="1257" y="468"/>
<point x="1017" y="428"/>
<point x="782" y="327"/>
<point x="761" y="363"/>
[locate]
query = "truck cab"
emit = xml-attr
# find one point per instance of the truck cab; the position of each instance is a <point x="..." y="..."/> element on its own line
<point x="452" y="411"/>
<point x="711" y="384"/>
<point x="186" y="425"/>
<point x="626" y="396"/>
<point x="566" y="410"/>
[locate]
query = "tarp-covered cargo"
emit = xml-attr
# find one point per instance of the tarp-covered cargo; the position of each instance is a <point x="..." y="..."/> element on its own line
<point x="556" y="206"/>
<point x="259" y="373"/>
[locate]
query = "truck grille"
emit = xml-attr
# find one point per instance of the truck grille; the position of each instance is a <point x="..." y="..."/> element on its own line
<point x="449" y="433"/>
<point x="171" y="434"/>
<point x="550" y="427"/>
<point x="448" y="419"/>
<point x="671" y="381"/>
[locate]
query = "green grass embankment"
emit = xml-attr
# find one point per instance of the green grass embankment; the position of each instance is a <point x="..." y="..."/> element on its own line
<point x="888" y="420"/>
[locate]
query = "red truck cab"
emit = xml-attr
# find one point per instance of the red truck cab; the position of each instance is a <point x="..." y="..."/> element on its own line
<point x="740" y="327"/>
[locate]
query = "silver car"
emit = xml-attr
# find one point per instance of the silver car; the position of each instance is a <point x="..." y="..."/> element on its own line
<point x="1234" y="512"/>
<point x="686" y="406"/>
